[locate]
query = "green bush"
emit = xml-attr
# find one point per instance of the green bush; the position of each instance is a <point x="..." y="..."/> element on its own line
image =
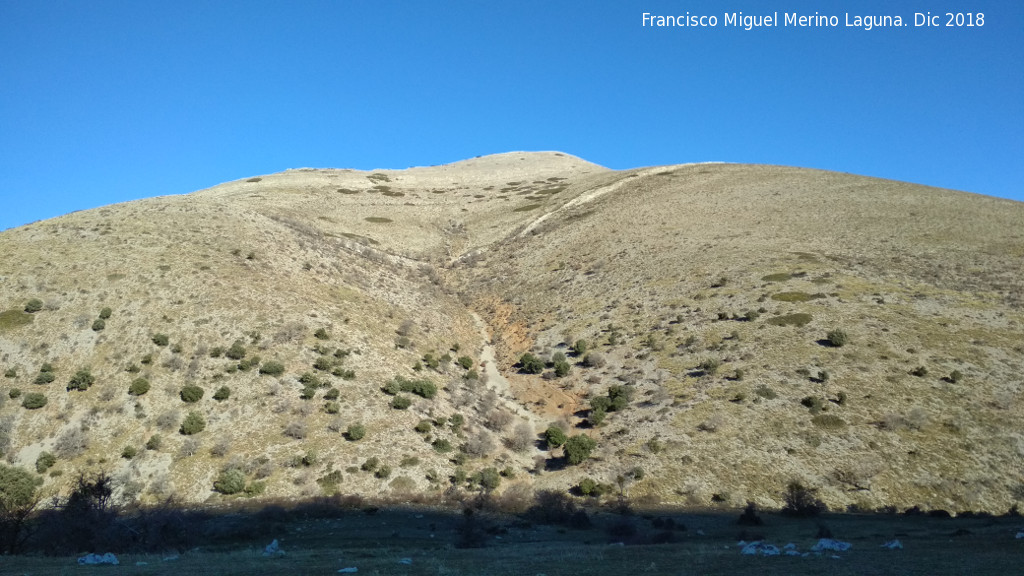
<point x="191" y="393"/>
<point x="45" y="377"/>
<point x="466" y="362"/>
<point x="323" y="364"/>
<point x="837" y="338"/>
<point x="828" y="421"/>
<point x="578" y="448"/>
<point x="710" y="366"/>
<point x="33" y="401"/>
<point x="596" y="417"/>
<point x="45" y="461"/>
<point x="154" y="442"/>
<point x="98" y="325"/>
<point x="14" y="393"/>
<point x="920" y="372"/>
<point x="554" y="436"/>
<point x="530" y="364"/>
<point x="332" y="394"/>
<point x="561" y="368"/>
<point x="105" y="313"/>
<point x="798" y="319"/>
<point x="619" y="396"/>
<point x="355" y="432"/>
<point x="487" y="479"/>
<point x="955" y="376"/>
<point x="237" y="351"/>
<point x="193" y="424"/>
<point x="580" y="347"/>
<point x="82" y="380"/>
<point x="147" y="359"/>
<point x="161" y="339"/>
<point x="370" y="464"/>
<point x="590" y="487"/>
<point x="423" y="387"/>
<point x="383" y="471"/>
<point x="129" y="452"/>
<point x="230" y="481"/>
<point x="222" y="394"/>
<point x="216" y="352"/>
<point x="272" y="368"/>
<point x="11" y="373"/>
<point x="423" y="426"/>
<point x="401" y="402"/>
<point x="457" y="421"/>
<point x="332" y="407"/>
<point x="138" y="387"/>
<point x="34" y="305"/>
<point x="442" y="445"/>
<point x="321" y="334"/>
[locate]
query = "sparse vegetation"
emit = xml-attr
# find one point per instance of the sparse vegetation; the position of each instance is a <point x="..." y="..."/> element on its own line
<point x="191" y="394"/>
<point x="837" y="338"/>
<point x="82" y="380"/>
<point x="194" y="423"/>
<point x="139" y="387"/>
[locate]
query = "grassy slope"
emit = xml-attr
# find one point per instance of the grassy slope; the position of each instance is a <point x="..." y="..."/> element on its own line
<point x="916" y="276"/>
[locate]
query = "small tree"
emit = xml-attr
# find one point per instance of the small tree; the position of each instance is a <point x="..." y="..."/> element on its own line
<point x="18" y="499"/>
<point x="561" y="368"/>
<point x="193" y="424"/>
<point x="139" y="387"/>
<point x="554" y="436"/>
<point x="530" y="364"/>
<point x="802" y="501"/>
<point x="578" y="448"/>
<point x="230" y="481"/>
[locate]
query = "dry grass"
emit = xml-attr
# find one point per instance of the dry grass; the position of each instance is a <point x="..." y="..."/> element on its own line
<point x="656" y="269"/>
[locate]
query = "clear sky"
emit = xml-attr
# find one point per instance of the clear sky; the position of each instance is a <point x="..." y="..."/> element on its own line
<point x="102" y="102"/>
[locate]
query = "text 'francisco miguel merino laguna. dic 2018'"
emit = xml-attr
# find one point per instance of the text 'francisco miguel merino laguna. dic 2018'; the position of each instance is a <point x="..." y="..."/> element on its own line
<point x="816" y="20"/>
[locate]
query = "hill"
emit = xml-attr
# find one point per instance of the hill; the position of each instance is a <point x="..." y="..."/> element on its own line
<point x="726" y="330"/>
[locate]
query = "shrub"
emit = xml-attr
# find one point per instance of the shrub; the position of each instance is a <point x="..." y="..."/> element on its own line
<point x="193" y="424"/>
<point x="423" y="426"/>
<point x="34" y="305"/>
<point x="222" y="394"/>
<point x="33" y="400"/>
<point x="561" y="368"/>
<point x="423" y="387"/>
<point x="487" y="479"/>
<point x="14" y="393"/>
<point x="138" y="387"/>
<point x="129" y="452"/>
<point x="82" y="380"/>
<point x="401" y="402"/>
<point x="798" y="319"/>
<point x="45" y="461"/>
<point x="554" y="436"/>
<point x="105" y="313"/>
<point x="237" y="351"/>
<point x="578" y="448"/>
<point x="802" y="502"/>
<point x="457" y="421"/>
<point x="710" y="365"/>
<point x="98" y="325"/>
<point x="920" y="372"/>
<point x="355" y="432"/>
<point x="837" y="338"/>
<point x="11" y="373"/>
<point x="442" y="445"/>
<point x="231" y="481"/>
<point x="154" y="442"/>
<point x="594" y="360"/>
<point x="45" y="378"/>
<point x="297" y="430"/>
<point x="466" y="362"/>
<point x="580" y="347"/>
<point x="383" y="471"/>
<point x="596" y="417"/>
<point x="619" y="397"/>
<point x="161" y="339"/>
<point x="272" y="368"/>
<point x="530" y="364"/>
<point x="191" y="393"/>
<point x="147" y="359"/>
<point x="321" y="334"/>
<point x="828" y="421"/>
<point x="955" y="376"/>
<point x="323" y="364"/>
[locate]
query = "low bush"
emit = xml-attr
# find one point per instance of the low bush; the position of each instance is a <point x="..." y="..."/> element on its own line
<point x="45" y="461"/>
<point x="14" y="393"/>
<point x="401" y="402"/>
<point x="578" y="448"/>
<point x="105" y="313"/>
<point x="231" y="481"/>
<point x="321" y="334"/>
<point x="355" y="432"/>
<point x="82" y="380"/>
<point x="222" y="394"/>
<point x="194" y="423"/>
<point x="129" y="452"/>
<point x="161" y="339"/>
<point x="138" y="387"/>
<point x="530" y="364"/>
<point x="555" y="437"/>
<point x="802" y="502"/>
<point x="272" y="368"/>
<point x="34" y="305"/>
<point x="191" y="393"/>
<point x="423" y="387"/>
<point x="798" y="319"/>
<point x="237" y="351"/>
<point x="466" y="362"/>
<point x="837" y="338"/>
<point x="98" y="325"/>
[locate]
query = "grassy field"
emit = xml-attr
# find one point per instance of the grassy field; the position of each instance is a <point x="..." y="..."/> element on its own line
<point x="428" y="541"/>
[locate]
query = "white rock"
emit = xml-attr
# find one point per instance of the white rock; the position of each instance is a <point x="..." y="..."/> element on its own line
<point x="92" y="559"/>
<point x="1020" y="535"/>
<point x="349" y="570"/>
<point x="893" y="545"/>
<point x="789" y="546"/>
<point x="830" y="544"/>
<point x="406" y="561"/>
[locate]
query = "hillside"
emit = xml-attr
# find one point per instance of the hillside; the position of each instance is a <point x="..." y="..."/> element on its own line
<point x="704" y="294"/>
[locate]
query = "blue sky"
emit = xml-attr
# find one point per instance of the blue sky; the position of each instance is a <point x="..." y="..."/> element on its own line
<point x="103" y="102"/>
